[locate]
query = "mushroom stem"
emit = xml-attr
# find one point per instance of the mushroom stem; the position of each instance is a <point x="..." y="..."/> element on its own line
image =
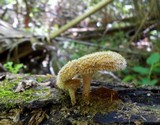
<point x="86" y="87"/>
<point x="72" y="96"/>
<point x="72" y="85"/>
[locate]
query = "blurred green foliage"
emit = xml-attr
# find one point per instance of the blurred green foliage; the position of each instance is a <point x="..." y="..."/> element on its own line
<point x="147" y="75"/>
<point x="13" y="68"/>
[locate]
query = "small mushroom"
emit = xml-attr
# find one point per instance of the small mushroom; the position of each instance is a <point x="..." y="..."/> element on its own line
<point x="85" y="67"/>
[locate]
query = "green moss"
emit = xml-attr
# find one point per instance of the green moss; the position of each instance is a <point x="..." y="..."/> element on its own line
<point x="40" y="79"/>
<point x="43" y="78"/>
<point x="9" y="98"/>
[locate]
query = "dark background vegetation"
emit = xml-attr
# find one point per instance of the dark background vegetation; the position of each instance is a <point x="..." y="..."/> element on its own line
<point x="130" y="27"/>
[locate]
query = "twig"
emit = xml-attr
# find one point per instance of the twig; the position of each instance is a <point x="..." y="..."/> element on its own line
<point x="98" y="46"/>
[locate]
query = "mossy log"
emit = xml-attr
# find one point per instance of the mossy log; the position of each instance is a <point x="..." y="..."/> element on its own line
<point x="34" y="100"/>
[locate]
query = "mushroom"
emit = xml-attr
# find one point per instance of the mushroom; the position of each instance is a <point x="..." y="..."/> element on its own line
<point x="85" y="67"/>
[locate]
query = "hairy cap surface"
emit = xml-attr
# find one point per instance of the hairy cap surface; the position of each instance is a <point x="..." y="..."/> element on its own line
<point x="88" y="64"/>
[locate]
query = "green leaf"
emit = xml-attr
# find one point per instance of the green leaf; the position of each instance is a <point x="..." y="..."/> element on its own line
<point x="153" y="58"/>
<point x="128" y="78"/>
<point x="13" y="68"/>
<point x="140" y="70"/>
<point x="146" y="81"/>
<point x="156" y="71"/>
<point x="8" y="66"/>
<point x="17" y="68"/>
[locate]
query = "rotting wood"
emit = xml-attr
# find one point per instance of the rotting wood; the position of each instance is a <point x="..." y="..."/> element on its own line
<point x="134" y="102"/>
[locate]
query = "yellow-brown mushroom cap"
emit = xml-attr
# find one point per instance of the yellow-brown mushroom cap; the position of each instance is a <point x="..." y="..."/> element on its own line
<point x="88" y="64"/>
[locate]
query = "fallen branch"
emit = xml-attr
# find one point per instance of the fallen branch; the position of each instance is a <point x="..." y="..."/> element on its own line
<point x="80" y="18"/>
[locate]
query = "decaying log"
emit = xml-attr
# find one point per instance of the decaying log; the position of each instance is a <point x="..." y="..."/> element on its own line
<point x="110" y="103"/>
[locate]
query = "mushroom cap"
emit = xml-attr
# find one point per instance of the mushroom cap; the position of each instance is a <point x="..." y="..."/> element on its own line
<point x="88" y="64"/>
<point x="109" y="60"/>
